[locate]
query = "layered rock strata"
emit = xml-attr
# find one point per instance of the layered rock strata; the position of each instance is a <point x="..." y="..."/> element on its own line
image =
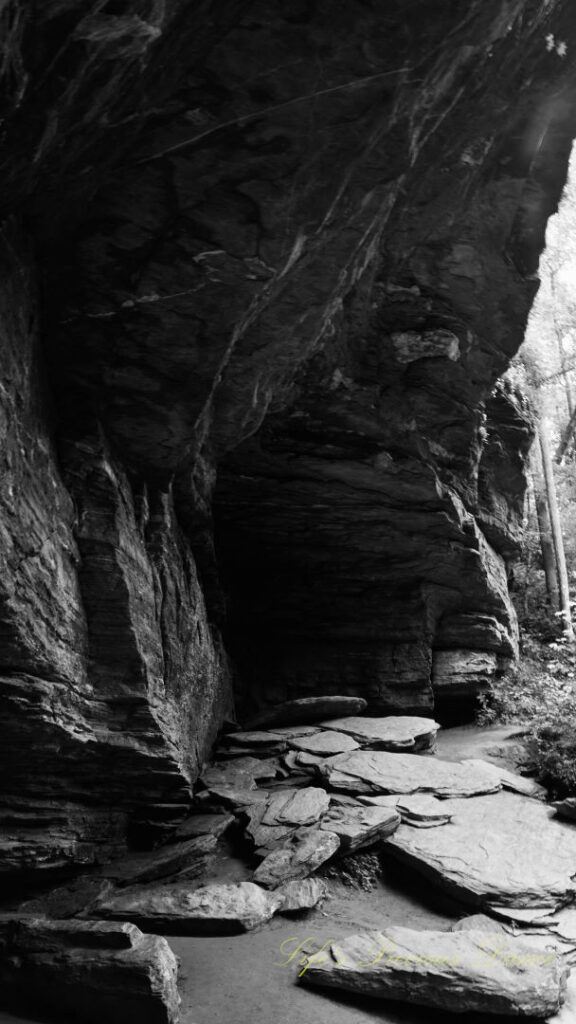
<point x="262" y="265"/>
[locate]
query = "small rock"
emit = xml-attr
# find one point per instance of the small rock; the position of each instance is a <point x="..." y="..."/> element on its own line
<point x="423" y="811"/>
<point x="566" y="808"/>
<point x="296" y="807"/>
<point x="309" y="762"/>
<point x="305" y="852"/>
<point x="210" y="910"/>
<point x="291" y="764"/>
<point x="271" y="824"/>
<point x="302" y="894"/>
<point x="343" y="800"/>
<point x="359" y="827"/>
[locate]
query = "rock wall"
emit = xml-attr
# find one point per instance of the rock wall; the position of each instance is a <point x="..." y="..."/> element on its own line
<point x="263" y="264"/>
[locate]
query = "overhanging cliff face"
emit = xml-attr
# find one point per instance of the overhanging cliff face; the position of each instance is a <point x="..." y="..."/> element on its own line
<point x="262" y="266"/>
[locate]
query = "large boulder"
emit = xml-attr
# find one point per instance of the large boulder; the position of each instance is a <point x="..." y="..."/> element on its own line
<point x="503" y="851"/>
<point x="180" y="910"/>
<point x="367" y="771"/>
<point x="93" y="971"/>
<point x="465" y="971"/>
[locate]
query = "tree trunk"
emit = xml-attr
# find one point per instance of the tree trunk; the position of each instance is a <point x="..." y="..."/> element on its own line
<point x="546" y="544"/>
<point x="555" y="524"/>
<point x="566" y="439"/>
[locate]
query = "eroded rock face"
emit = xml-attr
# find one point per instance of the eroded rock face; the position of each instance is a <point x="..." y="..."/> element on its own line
<point x="251" y="329"/>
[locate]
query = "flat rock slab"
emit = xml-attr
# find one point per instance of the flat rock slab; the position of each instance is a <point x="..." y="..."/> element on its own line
<point x="308" y="709"/>
<point x="232" y="798"/>
<point x="266" y="838"/>
<point x="374" y="771"/>
<point x="422" y="811"/>
<point x="358" y="827"/>
<point x="289" y="731"/>
<point x="395" y="732"/>
<point x="256" y="742"/>
<point x="227" y="774"/>
<point x="296" y="806"/>
<point x="503" y="851"/>
<point x="302" y="894"/>
<point x="255" y="767"/>
<point x="480" y="923"/>
<point x="324" y="744"/>
<point x="191" y="856"/>
<point x="178" y="910"/>
<point x="385" y="800"/>
<point x="68" y="900"/>
<point x="559" y="925"/>
<point x="309" y="762"/>
<point x="94" y="970"/>
<point x="465" y="972"/>
<point x="202" y="825"/>
<point x="306" y="851"/>
<point x="510" y="780"/>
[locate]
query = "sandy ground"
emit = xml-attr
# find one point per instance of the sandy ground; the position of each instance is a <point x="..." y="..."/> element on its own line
<point x="253" y="978"/>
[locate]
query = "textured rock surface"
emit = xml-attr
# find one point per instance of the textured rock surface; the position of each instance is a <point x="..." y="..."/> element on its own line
<point x="308" y="709"/>
<point x="188" y="859"/>
<point x="390" y="733"/>
<point x="502" y="850"/>
<point x="324" y="744"/>
<point x="257" y="287"/>
<point x="302" y="894"/>
<point x="299" y="857"/>
<point x="510" y="780"/>
<point x="94" y="971"/>
<point x="368" y="771"/>
<point x="179" y="910"/>
<point x="357" y="827"/>
<point x="203" y="824"/>
<point x="464" y="971"/>
<point x="566" y="809"/>
<point x="423" y="811"/>
<point x="296" y="807"/>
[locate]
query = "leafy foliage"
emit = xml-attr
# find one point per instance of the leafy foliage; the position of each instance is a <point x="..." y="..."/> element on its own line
<point x="541" y="693"/>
